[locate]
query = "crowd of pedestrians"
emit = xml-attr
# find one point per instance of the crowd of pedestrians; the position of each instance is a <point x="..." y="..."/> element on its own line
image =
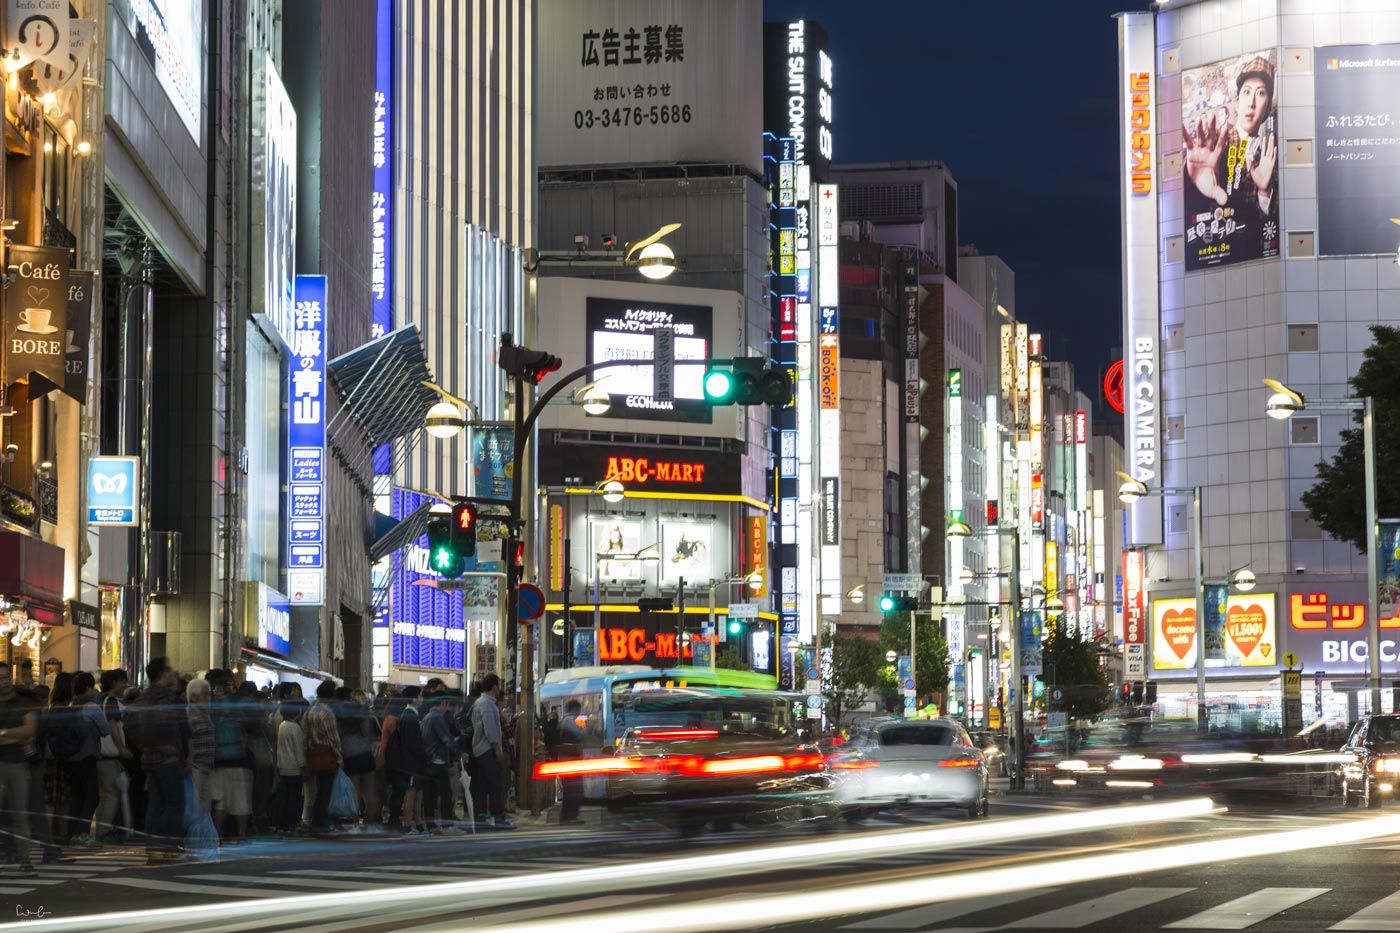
<point x="89" y="760"/>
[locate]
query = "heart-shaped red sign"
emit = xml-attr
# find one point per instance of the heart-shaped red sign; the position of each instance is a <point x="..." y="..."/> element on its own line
<point x="1179" y="630"/>
<point x="1245" y="626"/>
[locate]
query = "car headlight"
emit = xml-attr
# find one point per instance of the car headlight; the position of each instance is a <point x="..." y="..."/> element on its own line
<point x="1388" y="765"/>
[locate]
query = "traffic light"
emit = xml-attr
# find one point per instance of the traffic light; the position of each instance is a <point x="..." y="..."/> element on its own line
<point x="655" y="604"/>
<point x="1137" y="693"/>
<point x="736" y="626"/>
<point x="1125" y="691"/>
<point x="464" y="529"/>
<point x="898" y="602"/>
<point x="748" y="381"/>
<point x="1150" y="693"/>
<point x="530" y="365"/>
<point x="442" y="552"/>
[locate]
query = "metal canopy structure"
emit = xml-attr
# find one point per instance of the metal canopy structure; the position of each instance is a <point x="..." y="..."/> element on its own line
<point x="382" y="388"/>
<point x="408" y="529"/>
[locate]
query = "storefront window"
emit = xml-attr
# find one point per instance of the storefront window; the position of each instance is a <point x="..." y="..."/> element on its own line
<point x="110" y="633"/>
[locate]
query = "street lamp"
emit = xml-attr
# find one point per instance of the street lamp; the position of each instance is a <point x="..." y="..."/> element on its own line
<point x="1282" y="404"/>
<point x="1131" y="491"/>
<point x="612" y="491"/>
<point x="856" y="594"/>
<point x="444" y="420"/>
<point x="594" y="399"/>
<point x="891" y="657"/>
<point x="1243" y="579"/>
<point x="651" y="257"/>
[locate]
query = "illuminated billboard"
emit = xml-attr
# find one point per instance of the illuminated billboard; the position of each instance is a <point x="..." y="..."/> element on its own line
<point x="622" y="330"/>
<point x="1229" y="115"/>
<point x="1251" y="634"/>
<point x="1358" y="148"/>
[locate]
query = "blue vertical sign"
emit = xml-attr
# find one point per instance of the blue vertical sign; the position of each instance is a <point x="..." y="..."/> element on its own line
<point x="382" y="189"/>
<point x="306" y="442"/>
<point x="427" y="625"/>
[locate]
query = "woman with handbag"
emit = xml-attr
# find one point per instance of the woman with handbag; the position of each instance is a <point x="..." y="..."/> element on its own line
<point x="323" y="752"/>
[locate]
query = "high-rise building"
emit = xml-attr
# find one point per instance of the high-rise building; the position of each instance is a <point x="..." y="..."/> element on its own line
<point x="1270" y="256"/>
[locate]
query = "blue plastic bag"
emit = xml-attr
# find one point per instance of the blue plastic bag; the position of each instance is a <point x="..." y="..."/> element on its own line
<point x="345" y="800"/>
<point x="202" y="839"/>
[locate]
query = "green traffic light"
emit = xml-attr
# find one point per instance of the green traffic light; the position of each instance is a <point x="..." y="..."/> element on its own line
<point x="886" y="603"/>
<point x="443" y="558"/>
<point x="735" y="627"/>
<point x="719" y="385"/>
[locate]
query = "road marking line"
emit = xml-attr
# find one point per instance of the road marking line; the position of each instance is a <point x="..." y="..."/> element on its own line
<point x="176" y="887"/>
<point x="1075" y="916"/>
<point x="527" y="913"/>
<point x="929" y="914"/>
<point x="1243" y="912"/>
<point x="396" y="875"/>
<point x="1384" y="914"/>
<point x="327" y="883"/>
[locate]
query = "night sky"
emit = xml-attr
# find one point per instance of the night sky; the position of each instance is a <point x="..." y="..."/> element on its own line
<point x="1019" y="100"/>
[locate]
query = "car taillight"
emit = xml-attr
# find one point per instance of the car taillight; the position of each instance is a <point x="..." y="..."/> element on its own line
<point x="959" y="763"/>
<point x="581" y="767"/>
<point x="673" y="735"/>
<point x="852" y="764"/>
<point x="692" y="766"/>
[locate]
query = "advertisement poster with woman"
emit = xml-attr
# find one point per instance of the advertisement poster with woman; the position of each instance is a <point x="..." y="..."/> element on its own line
<point x="1229" y="117"/>
<point x="617" y="536"/>
<point x="685" y="552"/>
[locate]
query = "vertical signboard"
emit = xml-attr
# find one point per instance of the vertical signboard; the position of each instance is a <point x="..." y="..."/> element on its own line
<point x="382" y="181"/>
<point x="36" y="314"/>
<point x="1081" y="460"/>
<point x="82" y="292"/>
<point x="1007" y="399"/>
<point x="828" y="394"/>
<point x="1134" y="597"/>
<point x="911" y="343"/>
<point x="306" y="443"/>
<point x="274" y="204"/>
<point x="756" y="553"/>
<point x="1138" y="207"/>
<point x="798" y="89"/>
<point x="1388" y="567"/>
<point x="114" y="491"/>
<point x="1216" y="595"/>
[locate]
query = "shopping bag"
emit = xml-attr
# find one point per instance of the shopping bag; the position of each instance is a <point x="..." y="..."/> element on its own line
<point x="202" y="839"/>
<point x="345" y="800"/>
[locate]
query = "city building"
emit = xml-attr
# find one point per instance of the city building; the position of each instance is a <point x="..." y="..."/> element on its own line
<point x="1276" y="271"/>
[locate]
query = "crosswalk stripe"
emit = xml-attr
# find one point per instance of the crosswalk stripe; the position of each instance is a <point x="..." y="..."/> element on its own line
<point x="396" y="875"/>
<point x="1384" y="914"/>
<point x="537" y="912"/>
<point x="920" y="917"/>
<point x="1244" y="912"/>
<point x="178" y="887"/>
<point x="327" y="883"/>
<point x="1075" y="916"/>
<point x="15" y="890"/>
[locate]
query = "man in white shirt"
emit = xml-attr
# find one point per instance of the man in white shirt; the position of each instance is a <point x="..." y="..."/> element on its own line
<point x="489" y="756"/>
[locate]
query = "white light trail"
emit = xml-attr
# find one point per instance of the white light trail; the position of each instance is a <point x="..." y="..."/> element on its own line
<point x="643" y="872"/>
<point x="828" y="902"/>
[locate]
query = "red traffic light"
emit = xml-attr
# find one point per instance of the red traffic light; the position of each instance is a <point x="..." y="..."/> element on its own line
<point x="464" y="516"/>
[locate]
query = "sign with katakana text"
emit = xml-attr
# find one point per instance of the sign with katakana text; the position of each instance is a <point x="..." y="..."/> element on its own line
<point x="306" y="438"/>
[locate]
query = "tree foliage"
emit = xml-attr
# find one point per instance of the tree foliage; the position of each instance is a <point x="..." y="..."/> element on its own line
<point x="1072" y="664"/>
<point x="728" y="659"/>
<point x="855" y="670"/>
<point x="930" y="658"/>
<point x="1337" y="500"/>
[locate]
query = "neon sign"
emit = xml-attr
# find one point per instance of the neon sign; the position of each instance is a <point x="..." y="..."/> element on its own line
<point x="639" y="645"/>
<point x="643" y="469"/>
<point x="1140" y="125"/>
<point x="1312" y="611"/>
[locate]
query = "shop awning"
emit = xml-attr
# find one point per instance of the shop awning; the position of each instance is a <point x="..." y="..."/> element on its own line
<point x="381" y="387"/>
<point x="31" y="571"/>
<point x="407" y="529"/>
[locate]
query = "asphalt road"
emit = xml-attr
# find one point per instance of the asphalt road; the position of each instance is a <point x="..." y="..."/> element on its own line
<point x="1041" y="863"/>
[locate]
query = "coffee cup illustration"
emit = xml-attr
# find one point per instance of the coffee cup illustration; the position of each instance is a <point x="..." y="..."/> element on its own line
<point x="36" y="321"/>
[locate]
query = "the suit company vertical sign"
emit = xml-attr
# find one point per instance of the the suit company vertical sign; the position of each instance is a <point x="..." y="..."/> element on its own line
<point x="306" y="443"/>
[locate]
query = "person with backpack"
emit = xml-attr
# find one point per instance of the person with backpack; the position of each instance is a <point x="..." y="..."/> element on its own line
<point x="160" y="729"/>
<point x="388" y="762"/>
<point x="111" y="750"/>
<point x="233" y="766"/>
<point x="88" y="727"/>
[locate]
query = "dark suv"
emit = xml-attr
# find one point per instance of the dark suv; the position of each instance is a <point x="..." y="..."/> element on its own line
<point x="1374" y="771"/>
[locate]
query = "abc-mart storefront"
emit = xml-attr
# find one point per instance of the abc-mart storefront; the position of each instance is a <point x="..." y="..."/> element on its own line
<point x="1323" y="625"/>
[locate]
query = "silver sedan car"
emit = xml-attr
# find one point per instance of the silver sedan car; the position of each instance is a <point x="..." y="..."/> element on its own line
<point x="921" y="762"/>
